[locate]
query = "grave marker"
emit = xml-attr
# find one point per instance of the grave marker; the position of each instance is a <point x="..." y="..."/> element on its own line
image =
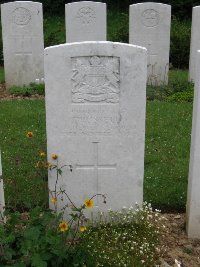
<point x="195" y="41"/>
<point x="149" y="26"/>
<point x="85" y="21"/>
<point x="23" y="44"/>
<point x="193" y="199"/>
<point x="96" y="120"/>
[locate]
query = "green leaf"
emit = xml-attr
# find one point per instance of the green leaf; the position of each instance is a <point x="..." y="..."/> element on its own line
<point x="37" y="261"/>
<point x="32" y="233"/>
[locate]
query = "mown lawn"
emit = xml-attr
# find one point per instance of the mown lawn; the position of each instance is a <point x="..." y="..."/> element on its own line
<point x="168" y="127"/>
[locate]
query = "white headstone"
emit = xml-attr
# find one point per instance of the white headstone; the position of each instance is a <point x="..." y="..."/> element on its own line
<point x="23" y="44"/>
<point x="95" y="114"/>
<point x="149" y="26"/>
<point x="193" y="197"/>
<point x="195" y="41"/>
<point x="85" y="21"/>
<point x="2" y="200"/>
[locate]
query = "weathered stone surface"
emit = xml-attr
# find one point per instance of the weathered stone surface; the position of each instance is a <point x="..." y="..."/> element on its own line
<point x="23" y="45"/>
<point x="193" y="197"/>
<point x="95" y="114"/>
<point x="149" y="26"/>
<point x="195" y="41"/>
<point x="2" y="200"/>
<point x="85" y="21"/>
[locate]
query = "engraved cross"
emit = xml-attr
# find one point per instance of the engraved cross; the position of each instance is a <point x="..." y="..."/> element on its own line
<point x="150" y="53"/>
<point x="96" y="166"/>
<point x="23" y="48"/>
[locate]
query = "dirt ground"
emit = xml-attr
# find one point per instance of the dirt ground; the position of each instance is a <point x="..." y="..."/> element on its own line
<point x="178" y="246"/>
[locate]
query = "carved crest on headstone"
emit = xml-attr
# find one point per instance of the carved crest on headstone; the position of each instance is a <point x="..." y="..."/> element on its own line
<point x="86" y="15"/>
<point x="95" y="79"/>
<point x="150" y="18"/>
<point x="21" y="16"/>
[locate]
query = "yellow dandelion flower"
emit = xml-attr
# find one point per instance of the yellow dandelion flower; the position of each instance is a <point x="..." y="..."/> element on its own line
<point x="54" y="200"/>
<point x="82" y="228"/>
<point x="29" y="135"/>
<point x="89" y="203"/>
<point x="48" y="165"/>
<point x="38" y="164"/>
<point x="42" y="154"/>
<point x="54" y="156"/>
<point x="63" y="226"/>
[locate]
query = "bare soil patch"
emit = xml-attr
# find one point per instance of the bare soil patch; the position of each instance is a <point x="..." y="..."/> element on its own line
<point x="178" y="245"/>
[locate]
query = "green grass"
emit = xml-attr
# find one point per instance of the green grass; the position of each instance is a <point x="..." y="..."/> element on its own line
<point x="24" y="187"/>
<point x="168" y="128"/>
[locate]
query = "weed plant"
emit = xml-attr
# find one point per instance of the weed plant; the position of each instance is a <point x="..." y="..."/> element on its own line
<point x="27" y="90"/>
<point x="64" y="237"/>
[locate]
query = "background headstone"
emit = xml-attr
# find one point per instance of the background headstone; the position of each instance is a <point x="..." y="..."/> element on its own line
<point x="2" y="200"/>
<point x="85" y="21"/>
<point x="95" y="115"/>
<point x="149" y="26"/>
<point x="23" y="42"/>
<point x="195" y="41"/>
<point x="193" y="197"/>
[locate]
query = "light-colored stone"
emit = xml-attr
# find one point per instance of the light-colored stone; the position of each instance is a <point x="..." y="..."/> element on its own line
<point x="195" y="41"/>
<point x="2" y="200"/>
<point x="149" y="26"/>
<point x="193" y="197"/>
<point x="23" y="44"/>
<point x="85" y="21"/>
<point x="95" y="115"/>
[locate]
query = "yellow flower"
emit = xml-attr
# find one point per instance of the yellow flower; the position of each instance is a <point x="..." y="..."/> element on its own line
<point x="89" y="203"/>
<point x="82" y="228"/>
<point x="29" y="134"/>
<point x="63" y="226"/>
<point x="42" y="154"/>
<point x="49" y="165"/>
<point x="54" y="156"/>
<point x="38" y="164"/>
<point x="53" y="199"/>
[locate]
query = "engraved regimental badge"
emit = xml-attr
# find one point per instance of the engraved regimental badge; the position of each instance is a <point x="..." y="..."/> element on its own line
<point x="150" y="18"/>
<point x="21" y="16"/>
<point x="86" y="15"/>
<point x="95" y="79"/>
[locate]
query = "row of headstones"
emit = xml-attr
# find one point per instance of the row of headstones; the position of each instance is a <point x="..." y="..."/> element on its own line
<point x="100" y="93"/>
<point x="23" y="45"/>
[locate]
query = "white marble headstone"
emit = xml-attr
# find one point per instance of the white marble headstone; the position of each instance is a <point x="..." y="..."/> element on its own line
<point x="95" y="115"/>
<point x="23" y="42"/>
<point x="149" y="26"/>
<point x="193" y="197"/>
<point x="2" y="200"/>
<point x="195" y="41"/>
<point x="85" y="21"/>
